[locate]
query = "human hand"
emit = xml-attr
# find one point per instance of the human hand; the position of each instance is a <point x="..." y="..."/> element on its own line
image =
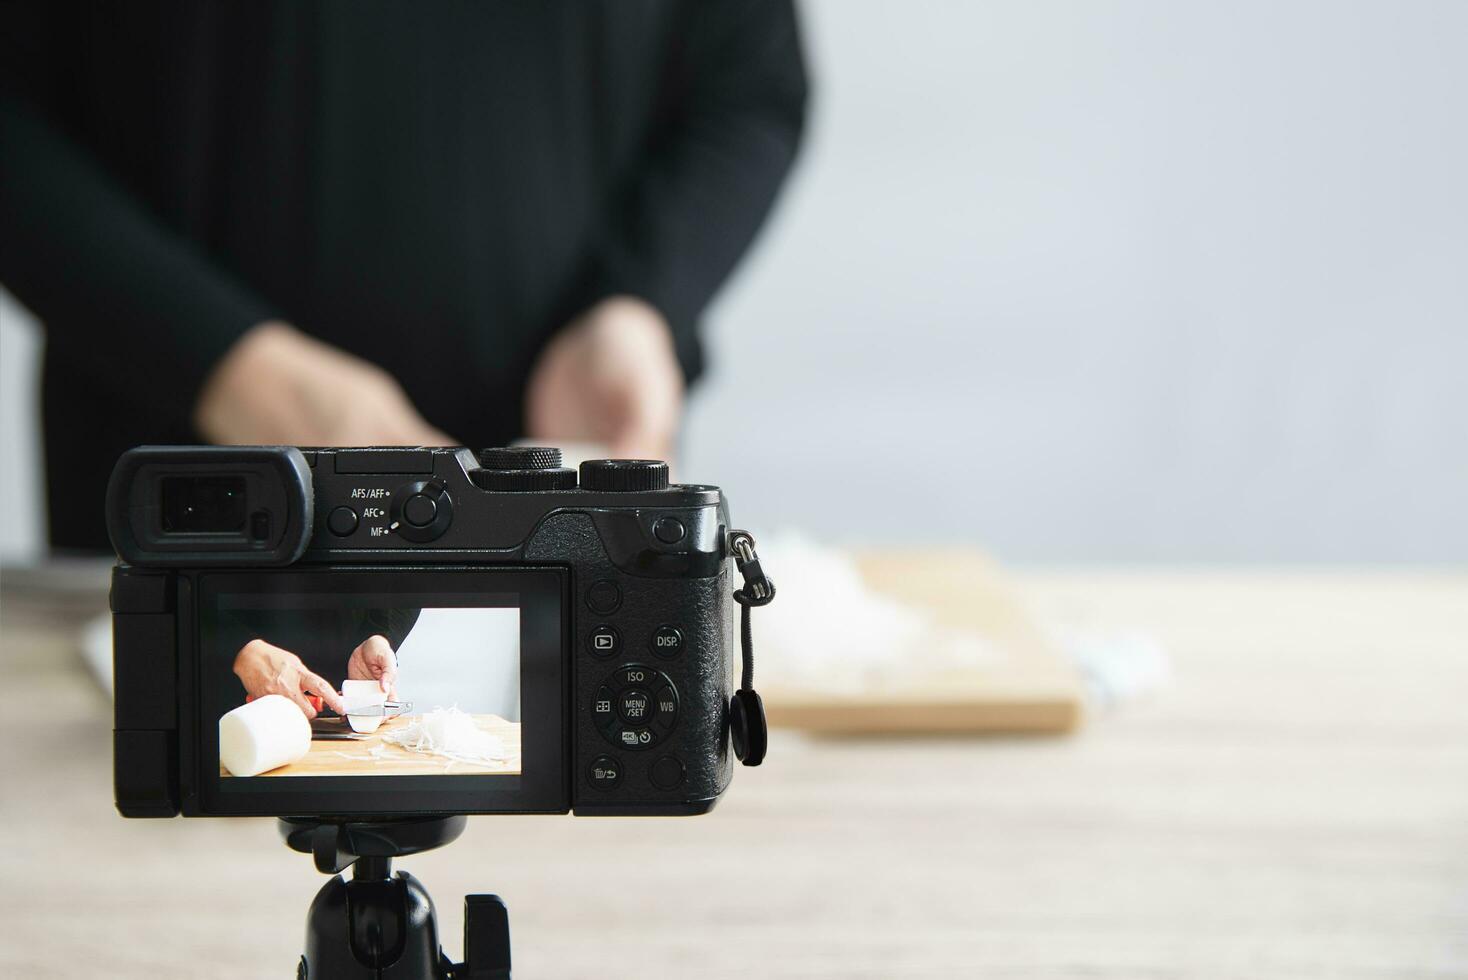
<point x="277" y="386"/>
<point x="374" y="660"/>
<point x="609" y="377"/>
<point x="264" y="668"/>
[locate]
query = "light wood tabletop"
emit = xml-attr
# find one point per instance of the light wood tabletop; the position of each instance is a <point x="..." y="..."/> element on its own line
<point x="1294" y="805"/>
<point x="372" y="755"/>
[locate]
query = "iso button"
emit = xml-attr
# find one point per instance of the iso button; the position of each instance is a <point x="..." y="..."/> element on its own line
<point x="633" y="675"/>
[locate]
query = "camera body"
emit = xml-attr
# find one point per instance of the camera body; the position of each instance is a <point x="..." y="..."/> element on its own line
<point x="607" y="595"/>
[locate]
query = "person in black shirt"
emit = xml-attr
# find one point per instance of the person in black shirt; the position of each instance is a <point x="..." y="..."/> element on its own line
<point x="378" y="222"/>
<point x="295" y="652"/>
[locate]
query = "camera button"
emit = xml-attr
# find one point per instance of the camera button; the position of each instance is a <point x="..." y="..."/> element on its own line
<point x="635" y="739"/>
<point x="666" y="773"/>
<point x="604" y="641"/>
<point x="604" y="772"/>
<point x="665" y="707"/>
<point x="601" y="708"/>
<point x="667" y="641"/>
<point x="604" y="597"/>
<point x="341" y="521"/>
<point x="668" y="530"/>
<point x="634" y="676"/>
<point x="634" y="705"/>
<point x="419" y="510"/>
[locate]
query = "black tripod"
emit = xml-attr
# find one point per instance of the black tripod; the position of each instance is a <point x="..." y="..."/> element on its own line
<point x="380" y="925"/>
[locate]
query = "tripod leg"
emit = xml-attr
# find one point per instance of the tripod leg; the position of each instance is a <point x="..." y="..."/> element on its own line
<point x="486" y="939"/>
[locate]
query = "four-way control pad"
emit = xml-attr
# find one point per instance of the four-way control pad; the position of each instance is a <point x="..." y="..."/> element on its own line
<point x="635" y="707"/>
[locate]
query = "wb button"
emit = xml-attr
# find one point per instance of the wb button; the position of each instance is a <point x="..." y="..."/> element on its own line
<point x="604" y="641"/>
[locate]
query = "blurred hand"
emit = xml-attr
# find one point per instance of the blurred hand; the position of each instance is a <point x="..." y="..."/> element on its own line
<point x="277" y="386"/>
<point x="609" y="377"/>
<point x="264" y="668"/>
<point x="374" y="660"/>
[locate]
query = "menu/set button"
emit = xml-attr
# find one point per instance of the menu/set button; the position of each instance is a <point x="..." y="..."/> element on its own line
<point x="634" y="706"/>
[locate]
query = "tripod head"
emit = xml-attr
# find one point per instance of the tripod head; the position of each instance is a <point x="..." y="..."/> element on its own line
<point x="380" y="925"/>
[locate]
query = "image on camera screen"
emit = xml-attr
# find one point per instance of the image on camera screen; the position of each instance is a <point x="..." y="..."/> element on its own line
<point x="418" y="690"/>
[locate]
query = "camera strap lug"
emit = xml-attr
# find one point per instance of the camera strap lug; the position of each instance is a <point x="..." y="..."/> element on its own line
<point x="747" y="726"/>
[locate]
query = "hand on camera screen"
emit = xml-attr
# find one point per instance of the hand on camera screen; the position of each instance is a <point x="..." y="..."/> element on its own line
<point x="374" y="660"/>
<point x="267" y="669"/>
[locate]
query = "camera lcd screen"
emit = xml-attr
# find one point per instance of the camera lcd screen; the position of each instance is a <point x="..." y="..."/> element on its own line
<point x="335" y="683"/>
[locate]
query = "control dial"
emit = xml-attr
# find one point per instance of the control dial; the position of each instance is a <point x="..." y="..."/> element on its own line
<point x="618" y="475"/>
<point x="522" y="468"/>
<point x="635" y="707"/>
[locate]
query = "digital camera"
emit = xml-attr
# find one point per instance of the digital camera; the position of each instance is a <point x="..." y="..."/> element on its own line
<point x="529" y="639"/>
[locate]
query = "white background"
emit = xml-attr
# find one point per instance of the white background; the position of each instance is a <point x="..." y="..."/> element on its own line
<point x="1079" y="280"/>
<point x="464" y="657"/>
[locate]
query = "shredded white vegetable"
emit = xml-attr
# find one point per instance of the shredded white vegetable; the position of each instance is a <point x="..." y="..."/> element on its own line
<point x="452" y="734"/>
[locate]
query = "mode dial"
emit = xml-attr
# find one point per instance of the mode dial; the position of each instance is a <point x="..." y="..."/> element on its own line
<point x="522" y="468"/>
<point x="624" y="474"/>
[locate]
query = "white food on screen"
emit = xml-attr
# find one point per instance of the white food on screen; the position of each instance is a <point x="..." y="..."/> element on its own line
<point x="363" y="692"/>
<point x="264" y="734"/>
<point x="363" y="703"/>
<point x="452" y="734"/>
<point x="363" y="724"/>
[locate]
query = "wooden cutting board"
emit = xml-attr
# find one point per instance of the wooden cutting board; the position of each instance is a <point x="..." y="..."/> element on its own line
<point x="1031" y="689"/>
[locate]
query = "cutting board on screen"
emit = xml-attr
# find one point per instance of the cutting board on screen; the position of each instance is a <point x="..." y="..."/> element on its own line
<point x="1032" y="688"/>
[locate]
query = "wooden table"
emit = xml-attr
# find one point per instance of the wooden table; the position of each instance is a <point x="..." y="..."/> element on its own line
<point x="371" y="755"/>
<point x="1296" y="805"/>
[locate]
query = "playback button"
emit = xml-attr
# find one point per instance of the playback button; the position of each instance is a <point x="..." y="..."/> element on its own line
<point x="604" y="641"/>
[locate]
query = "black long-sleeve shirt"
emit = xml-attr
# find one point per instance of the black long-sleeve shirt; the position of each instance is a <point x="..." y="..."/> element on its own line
<point x="435" y="187"/>
<point x="323" y="638"/>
